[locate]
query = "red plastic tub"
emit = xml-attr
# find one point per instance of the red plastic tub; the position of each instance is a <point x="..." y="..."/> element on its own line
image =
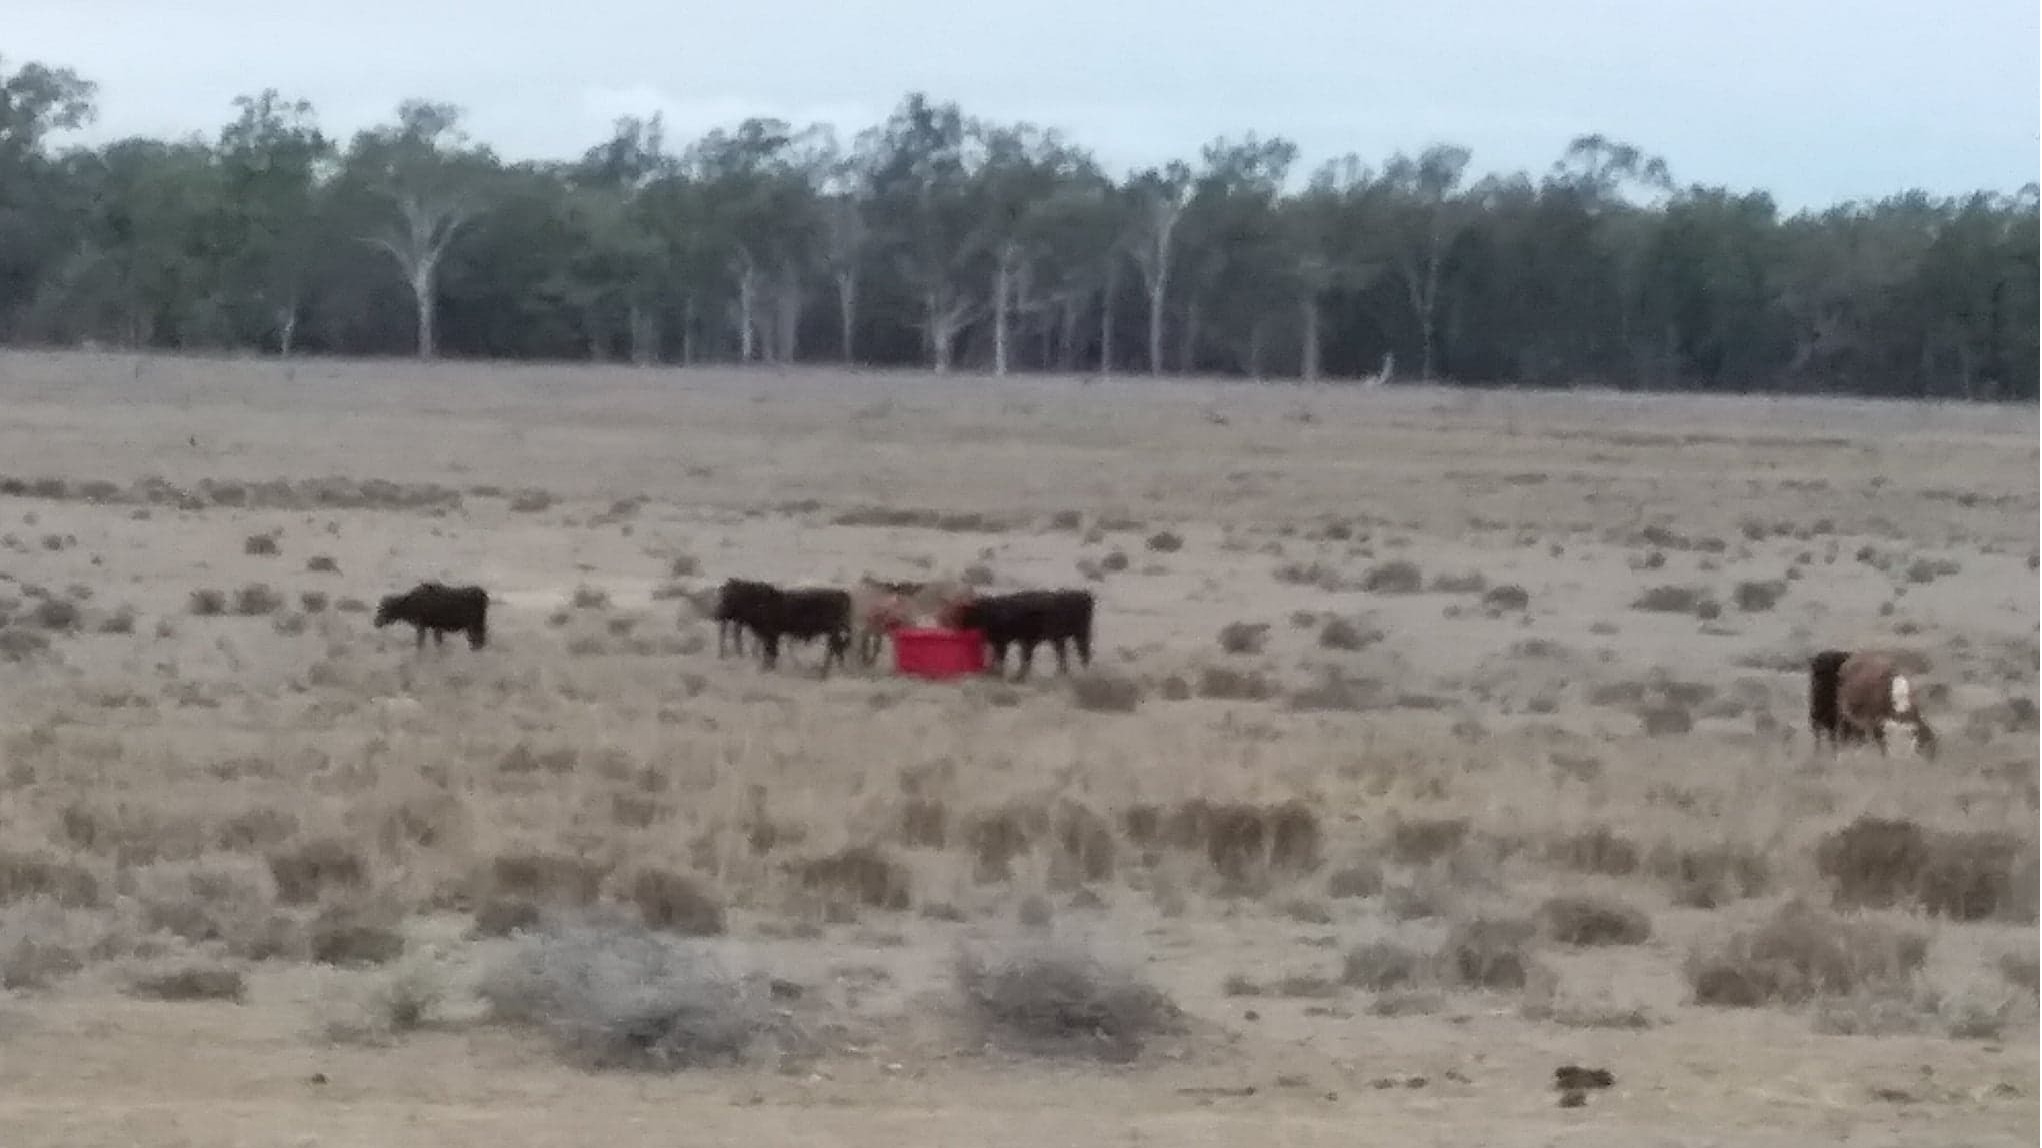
<point x="931" y="652"/>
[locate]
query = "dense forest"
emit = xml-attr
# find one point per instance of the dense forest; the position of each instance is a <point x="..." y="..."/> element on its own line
<point x="944" y="240"/>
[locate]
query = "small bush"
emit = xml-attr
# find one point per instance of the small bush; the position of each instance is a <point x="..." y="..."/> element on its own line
<point x="1229" y="684"/>
<point x="1669" y="720"/>
<point x="57" y="614"/>
<point x="1382" y="964"/>
<point x="121" y="621"/>
<point x="1508" y="596"/>
<point x="1758" y="597"/>
<point x="354" y="935"/>
<point x="615" y="995"/>
<point x="1166" y="542"/>
<point x="256" y="599"/>
<point x="1671" y="600"/>
<point x="1967" y="876"/>
<point x="1398" y="576"/>
<point x="259" y="545"/>
<point x="1471" y="582"/>
<point x="313" y="601"/>
<point x="322" y="564"/>
<point x="1056" y="998"/>
<point x="191" y="981"/>
<point x="1422" y="840"/>
<point x="1244" y="637"/>
<point x="305" y="871"/>
<point x="1361" y="879"/>
<point x="1105" y="693"/>
<point x="1344" y="634"/>
<point x="1596" y="850"/>
<point x="684" y="566"/>
<point x="1801" y="952"/>
<point x="863" y="874"/>
<point x="676" y="902"/>
<point x="1488" y="953"/>
<point x="1594" y="921"/>
<point x="19" y="645"/>
<point x="591" y="598"/>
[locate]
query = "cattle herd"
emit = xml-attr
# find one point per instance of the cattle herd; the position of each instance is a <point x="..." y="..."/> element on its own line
<point x="856" y="620"/>
<point x="1853" y="696"/>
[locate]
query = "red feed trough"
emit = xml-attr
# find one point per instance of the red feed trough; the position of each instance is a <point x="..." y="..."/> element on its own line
<point x="930" y="652"/>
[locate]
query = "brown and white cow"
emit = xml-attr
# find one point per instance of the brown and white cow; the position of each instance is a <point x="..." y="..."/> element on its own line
<point x="1859" y="695"/>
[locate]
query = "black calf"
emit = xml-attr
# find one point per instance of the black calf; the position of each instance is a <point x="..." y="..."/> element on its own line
<point x="439" y="608"/>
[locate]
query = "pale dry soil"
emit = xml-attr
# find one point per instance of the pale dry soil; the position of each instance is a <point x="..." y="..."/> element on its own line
<point x="1906" y="526"/>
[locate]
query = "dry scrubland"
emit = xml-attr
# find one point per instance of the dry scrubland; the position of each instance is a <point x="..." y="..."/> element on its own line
<point x="1436" y="741"/>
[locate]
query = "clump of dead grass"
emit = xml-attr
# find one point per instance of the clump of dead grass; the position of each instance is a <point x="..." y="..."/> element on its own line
<point x="1397" y="576"/>
<point x="189" y="980"/>
<point x="1585" y="921"/>
<point x="860" y="874"/>
<point x="1672" y="600"/>
<point x="1229" y="684"/>
<point x="1102" y="692"/>
<point x="1966" y="875"/>
<point x="615" y="995"/>
<point x="1244" y="637"/>
<point x="1800" y="952"/>
<point x="1058" y="997"/>
<point x="675" y="902"/>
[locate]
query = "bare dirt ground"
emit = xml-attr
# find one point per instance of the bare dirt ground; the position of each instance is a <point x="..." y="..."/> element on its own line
<point x="1435" y="741"/>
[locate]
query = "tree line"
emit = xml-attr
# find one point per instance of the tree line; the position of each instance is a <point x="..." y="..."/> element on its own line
<point x="940" y="239"/>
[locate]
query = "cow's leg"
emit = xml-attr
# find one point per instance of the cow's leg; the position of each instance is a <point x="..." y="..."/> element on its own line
<point x="1063" y="662"/>
<point x="439" y="638"/>
<point x="1084" y="641"/>
<point x="769" y="650"/>
<point x="997" y="664"/>
<point x="420" y="632"/>
<point x="1027" y="658"/>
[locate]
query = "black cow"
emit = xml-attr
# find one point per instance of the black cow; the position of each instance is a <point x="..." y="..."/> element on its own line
<point x="737" y="603"/>
<point x="771" y="614"/>
<point x="1825" y="718"/>
<point x="1029" y="617"/>
<point x="439" y="608"/>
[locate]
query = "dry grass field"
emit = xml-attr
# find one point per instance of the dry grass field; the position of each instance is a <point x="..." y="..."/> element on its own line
<point x="1435" y="742"/>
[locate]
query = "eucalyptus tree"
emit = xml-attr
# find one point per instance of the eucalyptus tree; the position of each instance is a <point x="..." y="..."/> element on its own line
<point x="1428" y="216"/>
<point x="276" y="166"/>
<point x="928" y="222"/>
<point x="1159" y="196"/>
<point x="433" y="182"/>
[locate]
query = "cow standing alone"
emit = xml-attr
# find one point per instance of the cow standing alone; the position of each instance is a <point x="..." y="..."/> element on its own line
<point x="440" y="609"/>
<point x="1854" y="696"/>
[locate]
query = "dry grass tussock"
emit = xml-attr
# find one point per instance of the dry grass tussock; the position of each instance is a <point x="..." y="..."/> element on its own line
<point x="613" y="994"/>
<point x="1059" y="997"/>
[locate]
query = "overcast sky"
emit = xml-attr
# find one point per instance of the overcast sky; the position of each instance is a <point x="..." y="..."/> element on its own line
<point x="1814" y="101"/>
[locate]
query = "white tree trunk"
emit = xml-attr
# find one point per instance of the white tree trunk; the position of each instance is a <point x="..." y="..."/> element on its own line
<point x="787" y="319"/>
<point x="287" y="328"/>
<point x="424" y="292"/>
<point x="747" y="323"/>
<point x="847" y="311"/>
<point x="1067" y="335"/>
<point x="1002" y="277"/>
<point x="1309" y="352"/>
<point x="1157" y="285"/>
<point x="1106" y="318"/>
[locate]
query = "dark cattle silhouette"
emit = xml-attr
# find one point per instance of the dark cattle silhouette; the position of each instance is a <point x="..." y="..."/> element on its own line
<point x="439" y="608"/>
<point x="1824" y="723"/>
<point x="1028" y="618"/>
<point x="1860" y="695"/>
<point x="805" y="614"/>
<point x="737" y="601"/>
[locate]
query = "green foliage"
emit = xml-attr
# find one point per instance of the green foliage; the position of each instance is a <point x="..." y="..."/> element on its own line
<point x="936" y="238"/>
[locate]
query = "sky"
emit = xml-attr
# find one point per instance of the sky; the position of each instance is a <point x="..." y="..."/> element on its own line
<point x="1815" y="102"/>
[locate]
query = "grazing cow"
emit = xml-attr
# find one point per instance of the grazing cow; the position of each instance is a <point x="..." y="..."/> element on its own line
<point x="1027" y="618"/>
<point x="1854" y="696"/>
<point x="439" y="608"/>
<point x="738" y="601"/>
<point x="772" y="613"/>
